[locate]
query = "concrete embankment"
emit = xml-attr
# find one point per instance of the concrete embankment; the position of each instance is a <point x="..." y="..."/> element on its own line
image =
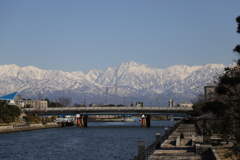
<point x="7" y="129"/>
<point x="185" y="142"/>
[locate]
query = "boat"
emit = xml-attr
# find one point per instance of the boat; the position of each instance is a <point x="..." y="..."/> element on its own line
<point x="130" y="119"/>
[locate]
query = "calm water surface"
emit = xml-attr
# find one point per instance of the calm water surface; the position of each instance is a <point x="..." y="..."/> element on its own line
<point x="99" y="141"/>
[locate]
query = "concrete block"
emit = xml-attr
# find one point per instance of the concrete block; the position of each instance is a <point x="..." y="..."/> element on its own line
<point x="201" y="148"/>
<point x="178" y="141"/>
<point x="193" y="142"/>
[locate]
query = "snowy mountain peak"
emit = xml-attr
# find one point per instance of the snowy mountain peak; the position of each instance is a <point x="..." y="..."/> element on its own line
<point x="9" y="68"/>
<point x="133" y="80"/>
<point x="130" y="64"/>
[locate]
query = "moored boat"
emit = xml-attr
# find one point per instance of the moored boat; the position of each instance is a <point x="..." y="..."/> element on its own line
<point x="130" y="119"/>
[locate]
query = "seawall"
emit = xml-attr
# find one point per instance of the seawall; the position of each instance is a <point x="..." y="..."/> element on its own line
<point x="7" y="129"/>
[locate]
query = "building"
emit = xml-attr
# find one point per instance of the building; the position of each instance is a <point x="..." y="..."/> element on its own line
<point x="185" y="104"/>
<point x="137" y="104"/>
<point x="13" y="99"/>
<point x="92" y="105"/>
<point x="209" y="92"/>
<point x="40" y="104"/>
<point x="171" y="103"/>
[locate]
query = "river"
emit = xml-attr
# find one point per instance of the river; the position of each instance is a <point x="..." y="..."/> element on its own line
<point x="98" y="141"/>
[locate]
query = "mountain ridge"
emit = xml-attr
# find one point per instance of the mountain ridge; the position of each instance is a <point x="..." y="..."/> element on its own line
<point x="131" y="79"/>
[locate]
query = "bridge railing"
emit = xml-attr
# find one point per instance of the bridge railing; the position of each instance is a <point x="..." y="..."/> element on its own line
<point x="94" y="109"/>
<point x="144" y="154"/>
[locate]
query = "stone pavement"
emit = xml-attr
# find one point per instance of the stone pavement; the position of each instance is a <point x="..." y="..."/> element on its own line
<point x="184" y="150"/>
<point x="223" y="150"/>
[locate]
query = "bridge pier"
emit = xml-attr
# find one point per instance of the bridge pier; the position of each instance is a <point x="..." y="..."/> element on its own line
<point x="82" y="121"/>
<point x="146" y="121"/>
<point x="143" y="124"/>
<point x="64" y="124"/>
<point x="79" y="121"/>
<point x="85" y="120"/>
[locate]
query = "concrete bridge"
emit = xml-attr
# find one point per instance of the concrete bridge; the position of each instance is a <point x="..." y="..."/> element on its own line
<point x="83" y="112"/>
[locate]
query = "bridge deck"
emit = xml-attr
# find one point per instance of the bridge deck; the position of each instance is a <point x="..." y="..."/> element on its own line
<point x="112" y="110"/>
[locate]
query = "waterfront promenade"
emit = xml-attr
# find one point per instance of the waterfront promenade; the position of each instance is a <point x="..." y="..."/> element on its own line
<point x="181" y="149"/>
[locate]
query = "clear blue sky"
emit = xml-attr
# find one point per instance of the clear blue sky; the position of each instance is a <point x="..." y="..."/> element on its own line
<point x="80" y="35"/>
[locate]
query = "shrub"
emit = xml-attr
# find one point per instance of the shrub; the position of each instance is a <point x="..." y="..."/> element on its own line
<point x="7" y="119"/>
<point x="32" y="119"/>
<point x="54" y="117"/>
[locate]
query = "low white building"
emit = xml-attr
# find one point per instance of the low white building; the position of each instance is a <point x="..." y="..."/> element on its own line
<point x="40" y="104"/>
<point x="185" y="104"/>
<point x="15" y="99"/>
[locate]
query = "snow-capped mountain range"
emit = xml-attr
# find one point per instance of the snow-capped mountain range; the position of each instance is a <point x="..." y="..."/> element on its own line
<point x="134" y="81"/>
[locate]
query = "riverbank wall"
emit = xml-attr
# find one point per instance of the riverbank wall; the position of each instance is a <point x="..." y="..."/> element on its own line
<point x="184" y="141"/>
<point x="12" y="128"/>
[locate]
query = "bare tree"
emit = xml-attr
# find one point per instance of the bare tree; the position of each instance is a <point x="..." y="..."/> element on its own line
<point x="78" y="105"/>
<point x="65" y="101"/>
<point x="200" y="99"/>
<point x="198" y="103"/>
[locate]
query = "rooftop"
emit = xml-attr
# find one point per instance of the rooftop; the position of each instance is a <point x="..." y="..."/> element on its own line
<point x="9" y="96"/>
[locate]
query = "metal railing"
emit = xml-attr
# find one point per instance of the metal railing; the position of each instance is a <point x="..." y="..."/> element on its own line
<point x="20" y="124"/>
<point x="150" y="149"/>
<point x="143" y="155"/>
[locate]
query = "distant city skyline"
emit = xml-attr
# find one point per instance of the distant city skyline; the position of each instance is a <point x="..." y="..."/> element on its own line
<point x="85" y="35"/>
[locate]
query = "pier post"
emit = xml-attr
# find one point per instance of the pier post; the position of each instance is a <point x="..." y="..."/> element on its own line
<point x="158" y="137"/>
<point x="193" y="140"/>
<point x="142" y="150"/>
<point x="171" y="129"/>
<point x="178" y="141"/>
<point x="166" y="131"/>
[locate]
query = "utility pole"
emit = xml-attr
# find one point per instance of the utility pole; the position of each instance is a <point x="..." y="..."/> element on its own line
<point x="84" y="102"/>
<point x="56" y="102"/>
<point x="116" y="95"/>
<point x="106" y="99"/>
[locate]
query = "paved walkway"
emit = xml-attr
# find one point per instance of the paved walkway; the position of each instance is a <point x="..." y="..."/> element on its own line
<point x="223" y="150"/>
<point x="185" y="151"/>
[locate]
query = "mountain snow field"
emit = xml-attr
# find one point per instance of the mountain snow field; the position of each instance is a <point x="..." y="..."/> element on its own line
<point x="134" y="81"/>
